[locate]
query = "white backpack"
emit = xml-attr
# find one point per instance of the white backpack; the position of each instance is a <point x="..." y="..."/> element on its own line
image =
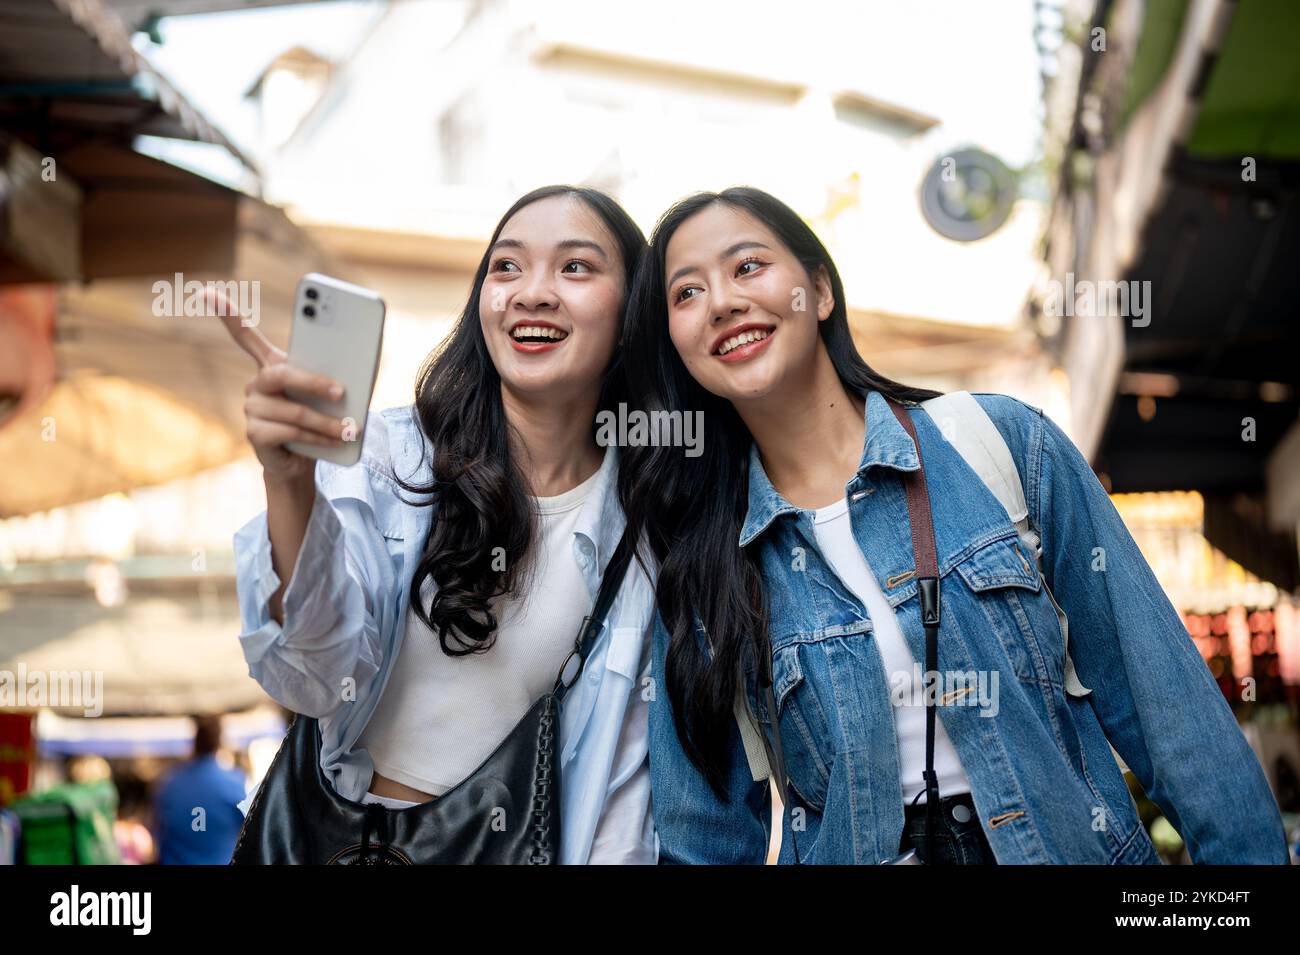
<point x="969" y="429"/>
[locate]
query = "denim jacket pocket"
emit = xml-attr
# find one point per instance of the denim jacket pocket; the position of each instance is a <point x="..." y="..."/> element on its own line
<point x="999" y="563"/>
<point x="1004" y="584"/>
<point x="805" y="733"/>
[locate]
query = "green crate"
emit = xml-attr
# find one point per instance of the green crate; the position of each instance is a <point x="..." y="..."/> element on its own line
<point x="69" y="824"/>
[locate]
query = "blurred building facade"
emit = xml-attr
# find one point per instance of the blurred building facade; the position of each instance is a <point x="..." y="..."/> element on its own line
<point x="445" y="113"/>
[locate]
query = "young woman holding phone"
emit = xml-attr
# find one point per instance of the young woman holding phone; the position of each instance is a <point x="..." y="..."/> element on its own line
<point x="787" y="564"/>
<point x="418" y="603"/>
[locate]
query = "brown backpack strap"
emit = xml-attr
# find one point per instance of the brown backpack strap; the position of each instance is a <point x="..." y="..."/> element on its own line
<point x="918" y="505"/>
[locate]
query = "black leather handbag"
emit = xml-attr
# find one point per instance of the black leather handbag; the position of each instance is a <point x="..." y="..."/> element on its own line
<point x="506" y="812"/>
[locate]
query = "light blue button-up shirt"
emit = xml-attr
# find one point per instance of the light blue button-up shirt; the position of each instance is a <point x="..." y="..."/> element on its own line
<point x="345" y="613"/>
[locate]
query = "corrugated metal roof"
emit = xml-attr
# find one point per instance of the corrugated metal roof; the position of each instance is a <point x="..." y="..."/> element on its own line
<point x="67" y="67"/>
<point x="136" y="12"/>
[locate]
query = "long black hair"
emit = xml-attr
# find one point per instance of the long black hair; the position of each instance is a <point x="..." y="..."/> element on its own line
<point x="691" y="509"/>
<point x="480" y="494"/>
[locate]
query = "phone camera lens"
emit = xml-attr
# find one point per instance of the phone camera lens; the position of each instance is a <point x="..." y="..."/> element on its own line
<point x="309" y="311"/>
<point x="312" y="293"/>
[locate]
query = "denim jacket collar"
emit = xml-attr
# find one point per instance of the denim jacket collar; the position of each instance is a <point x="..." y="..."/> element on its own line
<point x="887" y="444"/>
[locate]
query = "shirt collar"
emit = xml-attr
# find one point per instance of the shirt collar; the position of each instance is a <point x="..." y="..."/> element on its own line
<point x="888" y="444"/>
<point x="601" y="519"/>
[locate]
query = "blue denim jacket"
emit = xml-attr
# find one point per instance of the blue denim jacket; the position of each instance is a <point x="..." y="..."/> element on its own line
<point x="1043" y="776"/>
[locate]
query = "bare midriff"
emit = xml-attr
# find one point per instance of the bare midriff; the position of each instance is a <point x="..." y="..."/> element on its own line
<point x="383" y="786"/>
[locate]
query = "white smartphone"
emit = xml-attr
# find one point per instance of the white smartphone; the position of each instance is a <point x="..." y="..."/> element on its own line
<point x="337" y="330"/>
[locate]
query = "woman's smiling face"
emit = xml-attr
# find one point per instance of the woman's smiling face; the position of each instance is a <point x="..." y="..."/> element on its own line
<point x="552" y="298"/>
<point x="742" y="312"/>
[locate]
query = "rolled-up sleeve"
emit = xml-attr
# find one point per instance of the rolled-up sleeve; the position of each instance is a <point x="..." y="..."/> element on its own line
<point x="1152" y="692"/>
<point x="328" y="647"/>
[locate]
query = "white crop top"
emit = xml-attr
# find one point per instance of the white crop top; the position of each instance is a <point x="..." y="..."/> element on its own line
<point x="440" y="716"/>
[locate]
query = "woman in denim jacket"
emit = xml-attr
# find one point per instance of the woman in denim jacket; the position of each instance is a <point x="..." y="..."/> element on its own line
<point x="418" y="602"/>
<point x="789" y="539"/>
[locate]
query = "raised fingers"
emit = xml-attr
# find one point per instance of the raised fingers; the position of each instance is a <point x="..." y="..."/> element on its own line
<point x="245" y="336"/>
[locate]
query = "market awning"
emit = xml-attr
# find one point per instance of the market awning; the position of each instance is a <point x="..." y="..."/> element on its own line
<point x="106" y="393"/>
<point x="1179" y="183"/>
<point x="68" y="68"/>
<point x="140" y="398"/>
<point x="74" y="96"/>
<point x="158" y="736"/>
<point x="137" y="14"/>
<point x="169" y="650"/>
<point x="1212" y="383"/>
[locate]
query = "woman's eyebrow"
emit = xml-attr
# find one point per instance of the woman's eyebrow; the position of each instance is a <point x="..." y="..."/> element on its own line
<point x="726" y="253"/>
<point x="582" y="244"/>
<point x="740" y="247"/>
<point x="562" y="244"/>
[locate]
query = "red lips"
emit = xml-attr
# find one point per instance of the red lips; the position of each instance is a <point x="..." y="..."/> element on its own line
<point x="747" y="350"/>
<point x="533" y="347"/>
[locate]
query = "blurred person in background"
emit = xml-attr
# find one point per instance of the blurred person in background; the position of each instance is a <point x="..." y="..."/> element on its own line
<point x="196" y="807"/>
<point x="134" y="840"/>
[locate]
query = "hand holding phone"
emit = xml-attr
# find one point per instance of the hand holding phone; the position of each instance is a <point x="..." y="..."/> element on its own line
<point x="295" y="414"/>
<point x="337" y="332"/>
<point x="274" y="420"/>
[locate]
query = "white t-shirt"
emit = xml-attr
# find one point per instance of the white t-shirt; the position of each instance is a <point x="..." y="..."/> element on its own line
<point x="440" y="716"/>
<point x="834" y="532"/>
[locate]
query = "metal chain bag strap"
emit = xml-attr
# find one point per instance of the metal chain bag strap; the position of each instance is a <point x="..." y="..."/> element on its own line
<point x="506" y="812"/>
<point x="925" y="555"/>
